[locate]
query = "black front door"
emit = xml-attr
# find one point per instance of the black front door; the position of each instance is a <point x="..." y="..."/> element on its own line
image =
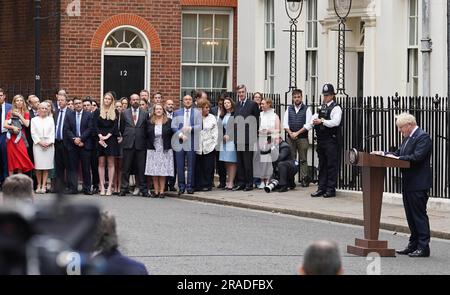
<point x="124" y="75"/>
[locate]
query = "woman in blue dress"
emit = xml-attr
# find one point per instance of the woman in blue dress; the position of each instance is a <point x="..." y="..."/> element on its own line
<point x="228" y="149"/>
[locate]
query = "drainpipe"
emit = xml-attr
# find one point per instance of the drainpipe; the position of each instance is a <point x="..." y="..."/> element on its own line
<point x="448" y="49"/>
<point x="426" y="47"/>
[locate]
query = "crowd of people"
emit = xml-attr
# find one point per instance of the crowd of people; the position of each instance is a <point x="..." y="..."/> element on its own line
<point x="116" y="143"/>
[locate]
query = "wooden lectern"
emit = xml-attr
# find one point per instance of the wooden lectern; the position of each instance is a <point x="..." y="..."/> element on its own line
<point x="373" y="173"/>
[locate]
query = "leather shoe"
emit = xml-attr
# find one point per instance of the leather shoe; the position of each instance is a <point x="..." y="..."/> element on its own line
<point x="95" y="190"/>
<point x="222" y="185"/>
<point x="420" y="253"/>
<point x="317" y="194"/>
<point x="87" y="193"/>
<point x="180" y="192"/>
<point x="248" y="188"/>
<point x="329" y="195"/>
<point x="172" y="189"/>
<point x="190" y="191"/>
<point x="283" y="189"/>
<point x="122" y="193"/>
<point x="238" y="188"/>
<point x="405" y="251"/>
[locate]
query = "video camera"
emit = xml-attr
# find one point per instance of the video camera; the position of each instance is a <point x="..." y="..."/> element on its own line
<point x="52" y="239"/>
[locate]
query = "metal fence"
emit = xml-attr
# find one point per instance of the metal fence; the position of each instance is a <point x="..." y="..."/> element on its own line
<point x="368" y="123"/>
<point x="25" y="89"/>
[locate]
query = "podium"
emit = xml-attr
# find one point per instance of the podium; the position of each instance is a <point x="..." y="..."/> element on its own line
<point x="373" y="172"/>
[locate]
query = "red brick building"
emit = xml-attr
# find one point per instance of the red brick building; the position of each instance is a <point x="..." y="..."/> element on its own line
<point x="91" y="46"/>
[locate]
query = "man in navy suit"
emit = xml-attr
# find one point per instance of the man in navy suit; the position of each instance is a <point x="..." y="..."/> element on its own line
<point x="78" y="128"/>
<point x="416" y="182"/>
<point x="4" y="109"/>
<point x="186" y="124"/>
<point x="246" y="131"/>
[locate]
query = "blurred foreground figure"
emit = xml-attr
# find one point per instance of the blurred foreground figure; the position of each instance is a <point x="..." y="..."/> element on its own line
<point x="322" y="258"/>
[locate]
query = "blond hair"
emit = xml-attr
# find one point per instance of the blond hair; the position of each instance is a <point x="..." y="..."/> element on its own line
<point x="404" y="119"/>
<point x="24" y="107"/>
<point x="110" y="112"/>
<point x="153" y="115"/>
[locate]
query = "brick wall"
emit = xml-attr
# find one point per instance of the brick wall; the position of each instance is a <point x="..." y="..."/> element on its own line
<point x="17" y="46"/>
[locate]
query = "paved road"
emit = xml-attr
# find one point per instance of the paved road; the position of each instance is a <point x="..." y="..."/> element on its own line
<point x="173" y="236"/>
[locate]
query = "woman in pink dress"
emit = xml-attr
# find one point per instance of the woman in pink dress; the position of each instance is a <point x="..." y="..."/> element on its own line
<point x="16" y="146"/>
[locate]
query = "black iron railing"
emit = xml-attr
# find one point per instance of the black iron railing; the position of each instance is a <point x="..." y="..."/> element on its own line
<point x="25" y="89"/>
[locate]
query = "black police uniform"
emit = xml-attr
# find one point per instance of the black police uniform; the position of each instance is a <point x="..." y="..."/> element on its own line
<point x="327" y="152"/>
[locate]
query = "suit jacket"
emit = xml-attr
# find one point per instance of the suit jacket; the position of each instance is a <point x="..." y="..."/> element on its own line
<point x="166" y="135"/>
<point x="418" y="152"/>
<point x="249" y="110"/>
<point x="86" y="129"/>
<point x="55" y="118"/>
<point x="134" y="136"/>
<point x="196" y="124"/>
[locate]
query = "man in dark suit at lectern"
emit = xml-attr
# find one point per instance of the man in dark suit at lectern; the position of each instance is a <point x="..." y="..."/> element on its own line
<point x="416" y="181"/>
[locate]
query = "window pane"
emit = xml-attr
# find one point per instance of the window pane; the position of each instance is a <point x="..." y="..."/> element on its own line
<point x="412" y="31"/>
<point x="111" y="43"/>
<point x="118" y="35"/>
<point x="221" y="51"/>
<point x="205" y="23"/>
<point x="129" y="36"/>
<point x="188" y="77"/>
<point x="205" y="51"/>
<point x="272" y="36"/>
<point x="203" y="77"/>
<point x="222" y="24"/>
<point x="220" y="77"/>
<point x="189" y="25"/>
<point x="412" y="8"/>
<point x="189" y="51"/>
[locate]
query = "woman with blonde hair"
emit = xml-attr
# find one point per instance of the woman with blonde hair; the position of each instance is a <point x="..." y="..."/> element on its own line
<point x="43" y="135"/>
<point x="105" y="126"/>
<point x="16" y="120"/>
<point x="159" y="162"/>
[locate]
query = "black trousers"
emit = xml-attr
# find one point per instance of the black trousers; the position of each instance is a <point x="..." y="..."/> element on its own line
<point x="245" y="168"/>
<point x="286" y="172"/>
<point x="171" y="180"/>
<point x="77" y="156"/>
<point x="61" y="166"/>
<point x="221" y="169"/>
<point x="134" y="158"/>
<point x="327" y="152"/>
<point x="204" y="171"/>
<point x="94" y="168"/>
<point x="415" y="204"/>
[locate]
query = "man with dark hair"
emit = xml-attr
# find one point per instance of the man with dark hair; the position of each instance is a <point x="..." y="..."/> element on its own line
<point x="18" y="188"/>
<point x="247" y="122"/>
<point x="322" y="258"/>
<point x="108" y="260"/>
<point x="296" y="119"/>
<point x="145" y="94"/>
<point x="78" y="128"/>
<point x="87" y="104"/>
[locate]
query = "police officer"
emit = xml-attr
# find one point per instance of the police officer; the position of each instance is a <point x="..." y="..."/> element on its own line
<point x="327" y="127"/>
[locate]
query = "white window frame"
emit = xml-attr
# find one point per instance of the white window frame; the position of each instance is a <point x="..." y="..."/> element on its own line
<point x="269" y="51"/>
<point x="413" y="51"/>
<point x="146" y="51"/>
<point x="229" y="65"/>
<point x="312" y="51"/>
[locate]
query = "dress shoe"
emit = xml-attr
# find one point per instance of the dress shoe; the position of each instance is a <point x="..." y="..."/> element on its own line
<point x="405" y="251"/>
<point x="180" y="192"/>
<point x="317" y="194"/>
<point x="87" y="193"/>
<point x="206" y="189"/>
<point x="190" y="191"/>
<point x="248" y="188"/>
<point x="283" y="189"/>
<point x="122" y="193"/>
<point x="162" y="195"/>
<point x="222" y="185"/>
<point x="238" y="188"/>
<point x="420" y="253"/>
<point x="95" y="190"/>
<point x="329" y="195"/>
<point x="172" y="189"/>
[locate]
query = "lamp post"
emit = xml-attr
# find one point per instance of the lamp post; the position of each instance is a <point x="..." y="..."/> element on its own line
<point x="37" y="48"/>
<point x="342" y="9"/>
<point x="293" y="10"/>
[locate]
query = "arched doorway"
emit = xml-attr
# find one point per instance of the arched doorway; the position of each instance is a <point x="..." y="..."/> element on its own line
<point x="126" y="62"/>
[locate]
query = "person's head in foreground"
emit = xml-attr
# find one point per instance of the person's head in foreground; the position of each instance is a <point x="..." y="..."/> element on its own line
<point x="322" y="258"/>
<point x="17" y="188"/>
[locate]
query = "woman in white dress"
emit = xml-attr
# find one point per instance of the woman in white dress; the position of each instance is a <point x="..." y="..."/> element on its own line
<point x="269" y="129"/>
<point x="43" y="135"/>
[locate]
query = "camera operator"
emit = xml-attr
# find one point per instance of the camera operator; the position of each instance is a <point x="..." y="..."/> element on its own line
<point x="284" y="168"/>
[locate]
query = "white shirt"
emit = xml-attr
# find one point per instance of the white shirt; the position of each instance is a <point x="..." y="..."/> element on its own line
<point x="208" y="135"/>
<point x="335" y="118"/>
<point x="133" y="111"/>
<point x="297" y="109"/>
<point x="61" y="122"/>
<point x="3" y="117"/>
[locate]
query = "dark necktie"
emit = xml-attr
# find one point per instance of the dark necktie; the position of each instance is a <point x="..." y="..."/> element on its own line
<point x="402" y="150"/>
